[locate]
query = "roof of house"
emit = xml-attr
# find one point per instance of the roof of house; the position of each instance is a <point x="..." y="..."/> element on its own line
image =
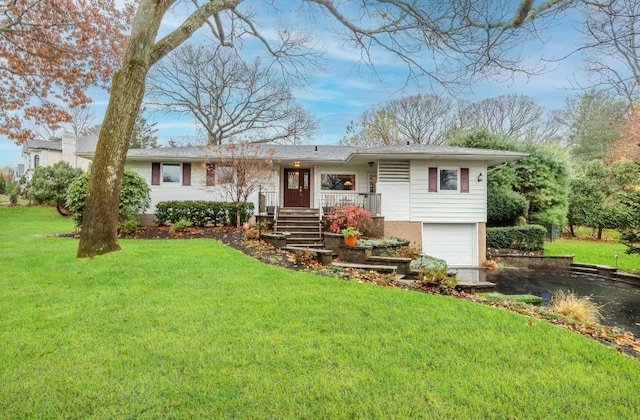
<point x="41" y="145"/>
<point x="319" y="153"/>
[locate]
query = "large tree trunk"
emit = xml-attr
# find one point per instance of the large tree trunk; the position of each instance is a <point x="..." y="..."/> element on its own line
<point x="99" y="234"/>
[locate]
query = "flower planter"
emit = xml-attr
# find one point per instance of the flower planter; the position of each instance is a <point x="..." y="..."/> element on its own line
<point x="350" y="240"/>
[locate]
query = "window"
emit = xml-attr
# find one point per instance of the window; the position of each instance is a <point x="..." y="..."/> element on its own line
<point x="211" y="174"/>
<point x="449" y="179"/>
<point x="170" y="172"/>
<point x="36" y="161"/>
<point x="334" y="182"/>
<point x="224" y="174"/>
<point x="373" y="180"/>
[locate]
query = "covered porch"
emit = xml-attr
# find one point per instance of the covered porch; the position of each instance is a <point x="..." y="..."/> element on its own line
<point x="269" y="202"/>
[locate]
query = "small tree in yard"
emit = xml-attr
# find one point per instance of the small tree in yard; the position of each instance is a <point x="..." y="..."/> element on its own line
<point x="631" y="232"/>
<point x="50" y="185"/>
<point x="241" y="171"/>
<point x="134" y="197"/>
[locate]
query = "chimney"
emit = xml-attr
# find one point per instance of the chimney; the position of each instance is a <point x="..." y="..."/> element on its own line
<point x="69" y="149"/>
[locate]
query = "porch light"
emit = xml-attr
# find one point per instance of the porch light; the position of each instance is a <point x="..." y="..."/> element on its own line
<point x="296" y="164"/>
<point x="480" y="177"/>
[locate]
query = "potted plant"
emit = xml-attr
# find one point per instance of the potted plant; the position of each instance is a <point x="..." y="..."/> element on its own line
<point x="350" y="236"/>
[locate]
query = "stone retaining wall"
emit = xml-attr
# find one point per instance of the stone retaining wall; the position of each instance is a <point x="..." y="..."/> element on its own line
<point x="535" y="261"/>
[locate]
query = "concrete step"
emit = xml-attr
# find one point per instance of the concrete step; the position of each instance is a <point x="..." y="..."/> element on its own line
<point x="297" y="241"/>
<point x="298" y="227"/>
<point x="587" y="270"/>
<point x="373" y="267"/>
<point x="298" y="211"/>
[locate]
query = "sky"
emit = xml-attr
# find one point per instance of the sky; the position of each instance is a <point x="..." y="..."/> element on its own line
<point x="345" y="88"/>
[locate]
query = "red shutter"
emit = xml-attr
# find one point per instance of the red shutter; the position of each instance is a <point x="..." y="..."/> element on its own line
<point x="211" y="174"/>
<point x="464" y="180"/>
<point x="186" y="174"/>
<point x="155" y="173"/>
<point x="433" y="179"/>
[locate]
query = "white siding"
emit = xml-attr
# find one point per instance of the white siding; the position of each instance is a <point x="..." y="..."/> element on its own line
<point x="448" y="206"/>
<point x="196" y="191"/>
<point x="396" y="204"/>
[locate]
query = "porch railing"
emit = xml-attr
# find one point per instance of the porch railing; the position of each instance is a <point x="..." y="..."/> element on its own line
<point x="371" y="202"/>
<point x="267" y="202"/>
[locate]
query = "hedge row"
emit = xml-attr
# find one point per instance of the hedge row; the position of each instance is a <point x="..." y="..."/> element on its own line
<point x="201" y="213"/>
<point x="525" y="238"/>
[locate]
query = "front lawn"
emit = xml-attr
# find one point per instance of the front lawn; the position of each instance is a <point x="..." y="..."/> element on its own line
<point x="194" y="329"/>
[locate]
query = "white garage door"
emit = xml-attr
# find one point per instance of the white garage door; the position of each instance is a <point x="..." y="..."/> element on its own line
<point x="454" y="243"/>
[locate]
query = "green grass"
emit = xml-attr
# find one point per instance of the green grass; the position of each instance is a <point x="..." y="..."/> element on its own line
<point x="593" y="252"/>
<point x="194" y="329"/>
<point x="582" y="231"/>
<point x="495" y="296"/>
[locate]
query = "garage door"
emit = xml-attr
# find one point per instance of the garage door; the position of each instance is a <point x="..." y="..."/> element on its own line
<point x="454" y="243"/>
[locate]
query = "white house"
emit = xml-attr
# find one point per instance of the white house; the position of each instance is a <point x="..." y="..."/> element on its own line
<point x="435" y="196"/>
<point x="46" y="153"/>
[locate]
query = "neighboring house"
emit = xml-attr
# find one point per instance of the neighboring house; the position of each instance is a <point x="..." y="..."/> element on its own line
<point x="40" y="153"/>
<point x="435" y="196"/>
<point x="46" y="153"/>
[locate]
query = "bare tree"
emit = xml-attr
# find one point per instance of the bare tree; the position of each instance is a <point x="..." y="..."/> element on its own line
<point x="82" y="120"/>
<point x="612" y="36"/>
<point x="45" y="132"/>
<point x="516" y="116"/>
<point x="593" y="121"/>
<point x="238" y="169"/>
<point x="227" y="96"/>
<point x="450" y="42"/>
<point x="375" y="127"/>
<point x="422" y="118"/>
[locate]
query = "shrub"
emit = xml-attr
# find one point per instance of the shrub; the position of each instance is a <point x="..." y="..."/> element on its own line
<point x="582" y="309"/>
<point x="134" y="196"/>
<point x="251" y="233"/>
<point x="181" y="225"/>
<point x="246" y="211"/>
<point x="349" y="216"/>
<point x="50" y="184"/>
<point x="505" y="207"/>
<point x="200" y="213"/>
<point x="438" y="278"/>
<point x="128" y="226"/>
<point x="428" y="262"/>
<point x="384" y="243"/>
<point x="3" y="184"/>
<point x="14" y="194"/>
<point x="525" y="238"/>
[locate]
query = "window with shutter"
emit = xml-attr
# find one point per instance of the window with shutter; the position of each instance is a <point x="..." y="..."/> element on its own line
<point x="433" y="179"/>
<point x="464" y="180"/>
<point x="186" y="174"/>
<point x="155" y="173"/>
